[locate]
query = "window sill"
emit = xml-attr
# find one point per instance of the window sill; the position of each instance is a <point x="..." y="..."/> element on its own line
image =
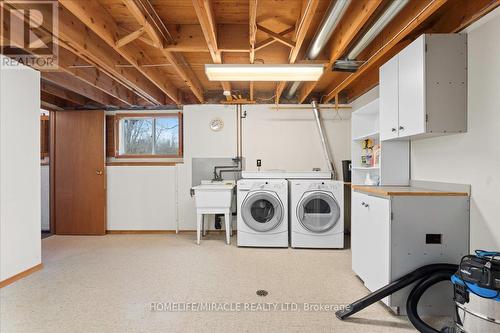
<point x="145" y="163"/>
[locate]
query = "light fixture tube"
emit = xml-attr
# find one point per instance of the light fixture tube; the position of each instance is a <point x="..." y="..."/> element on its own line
<point x="264" y="72"/>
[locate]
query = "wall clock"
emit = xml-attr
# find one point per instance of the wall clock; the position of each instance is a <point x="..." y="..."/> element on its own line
<point x="216" y="124"/>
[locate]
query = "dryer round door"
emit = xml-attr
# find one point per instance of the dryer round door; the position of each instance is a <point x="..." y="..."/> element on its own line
<point x="262" y="211"/>
<point x="318" y="211"/>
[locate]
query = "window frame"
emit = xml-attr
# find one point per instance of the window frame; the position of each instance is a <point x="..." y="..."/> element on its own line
<point x="121" y="116"/>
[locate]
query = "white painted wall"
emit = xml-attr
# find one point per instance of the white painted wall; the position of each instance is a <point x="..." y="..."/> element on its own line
<point x="289" y="139"/>
<point x="285" y="139"/>
<point x="473" y="158"/>
<point x="141" y="198"/>
<point x="470" y="158"/>
<point x="20" y="241"/>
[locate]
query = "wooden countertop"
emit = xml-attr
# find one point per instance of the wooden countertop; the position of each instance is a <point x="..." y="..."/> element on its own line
<point x="403" y="191"/>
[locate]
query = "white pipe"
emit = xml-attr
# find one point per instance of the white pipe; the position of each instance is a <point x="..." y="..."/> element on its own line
<point x="377" y="27"/>
<point x="326" y="151"/>
<point x="176" y="198"/>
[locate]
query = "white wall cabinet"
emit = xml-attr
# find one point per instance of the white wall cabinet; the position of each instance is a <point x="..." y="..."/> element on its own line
<point x="393" y="235"/>
<point x="423" y="89"/>
<point x="389" y="99"/>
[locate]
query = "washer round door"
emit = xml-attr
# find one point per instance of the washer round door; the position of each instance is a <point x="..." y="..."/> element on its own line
<point x="318" y="211"/>
<point x="262" y="211"/>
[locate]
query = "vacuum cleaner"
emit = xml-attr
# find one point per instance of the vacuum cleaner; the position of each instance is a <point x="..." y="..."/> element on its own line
<point x="476" y="284"/>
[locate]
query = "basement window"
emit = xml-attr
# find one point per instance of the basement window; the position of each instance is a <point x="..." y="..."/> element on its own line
<point x="149" y="135"/>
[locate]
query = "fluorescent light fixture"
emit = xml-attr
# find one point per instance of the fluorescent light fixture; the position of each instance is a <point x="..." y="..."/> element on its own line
<point x="260" y="72"/>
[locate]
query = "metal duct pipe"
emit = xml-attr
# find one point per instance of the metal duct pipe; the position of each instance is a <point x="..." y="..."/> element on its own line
<point x="326" y="151"/>
<point x="323" y="34"/>
<point x="377" y="27"/>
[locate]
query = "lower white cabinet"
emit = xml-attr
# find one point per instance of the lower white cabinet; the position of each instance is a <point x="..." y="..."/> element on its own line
<point x="370" y="255"/>
<point x="393" y="235"/>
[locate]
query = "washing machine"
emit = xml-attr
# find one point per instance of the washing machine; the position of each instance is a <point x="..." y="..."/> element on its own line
<point x="316" y="213"/>
<point x="262" y="212"/>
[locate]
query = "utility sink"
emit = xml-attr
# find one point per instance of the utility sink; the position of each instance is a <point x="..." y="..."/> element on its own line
<point x="217" y="194"/>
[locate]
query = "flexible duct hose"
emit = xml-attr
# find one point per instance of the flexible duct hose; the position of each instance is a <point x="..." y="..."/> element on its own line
<point x="416" y="294"/>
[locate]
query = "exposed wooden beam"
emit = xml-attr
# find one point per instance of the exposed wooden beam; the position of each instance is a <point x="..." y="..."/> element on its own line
<point x="92" y="76"/>
<point x="51" y="103"/>
<point x="252" y="34"/>
<point x="130" y="37"/>
<point x="69" y="82"/>
<point x="205" y="14"/>
<point x="176" y="60"/>
<point x="277" y="36"/>
<point x="356" y="16"/>
<point x="73" y="35"/>
<point x="406" y="28"/>
<point x="97" y="19"/>
<point x="252" y="28"/>
<point x="187" y="37"/>
<point x="270" y="40"/>
<point x="67" y="95"/>
<point x="141" y="10"/>
<point x="302" y="29"/>
<point x="95" y="77"/>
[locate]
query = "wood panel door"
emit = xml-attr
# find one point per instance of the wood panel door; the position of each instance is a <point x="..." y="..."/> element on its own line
<point x="79" y="173"/>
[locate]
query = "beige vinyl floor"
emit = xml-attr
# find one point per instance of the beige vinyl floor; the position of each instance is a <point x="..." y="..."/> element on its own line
<point x="110" y="283"/>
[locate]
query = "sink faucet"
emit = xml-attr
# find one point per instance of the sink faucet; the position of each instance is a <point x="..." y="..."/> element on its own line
<point x="216" y="177"/>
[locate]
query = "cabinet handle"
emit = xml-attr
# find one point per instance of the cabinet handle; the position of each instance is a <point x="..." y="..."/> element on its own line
<point x="401" y="128"/>
<point x="363" y="203"/>
<point x="393" y="129"/>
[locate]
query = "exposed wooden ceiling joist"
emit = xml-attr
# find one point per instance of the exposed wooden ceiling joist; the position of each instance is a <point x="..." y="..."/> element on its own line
<point x="73" y="35"/>
<point x="252" y="28"/>
<point x="70" y="82"/>
<point x="356" y="16"/>
<point x="67" y="59"/>
<point x="303" y="27"/>
<point x="95" y="17"/>
<point x="205" y="14"/>
<point x="147" y="18"/>
<point x="252" y="36"/>
<point x="96" y="78"/>
<point x="157" y="34"/>
<point x="50" y="102"/>
<point x="62" y="93"/>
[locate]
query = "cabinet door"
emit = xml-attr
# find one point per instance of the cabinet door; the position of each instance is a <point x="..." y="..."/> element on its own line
<point x="412" y="88"/>
<point x="389" y="100"/>
<point x="358" y="234"/>
<point x="377" y="255"/>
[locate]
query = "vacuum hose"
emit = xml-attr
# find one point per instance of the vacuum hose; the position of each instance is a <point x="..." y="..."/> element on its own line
<point x="416" y="294"/>
<point x="426" y="276"/>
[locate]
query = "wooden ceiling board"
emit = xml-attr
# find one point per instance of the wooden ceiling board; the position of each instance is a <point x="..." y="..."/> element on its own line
<point x="181" y="64"/>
